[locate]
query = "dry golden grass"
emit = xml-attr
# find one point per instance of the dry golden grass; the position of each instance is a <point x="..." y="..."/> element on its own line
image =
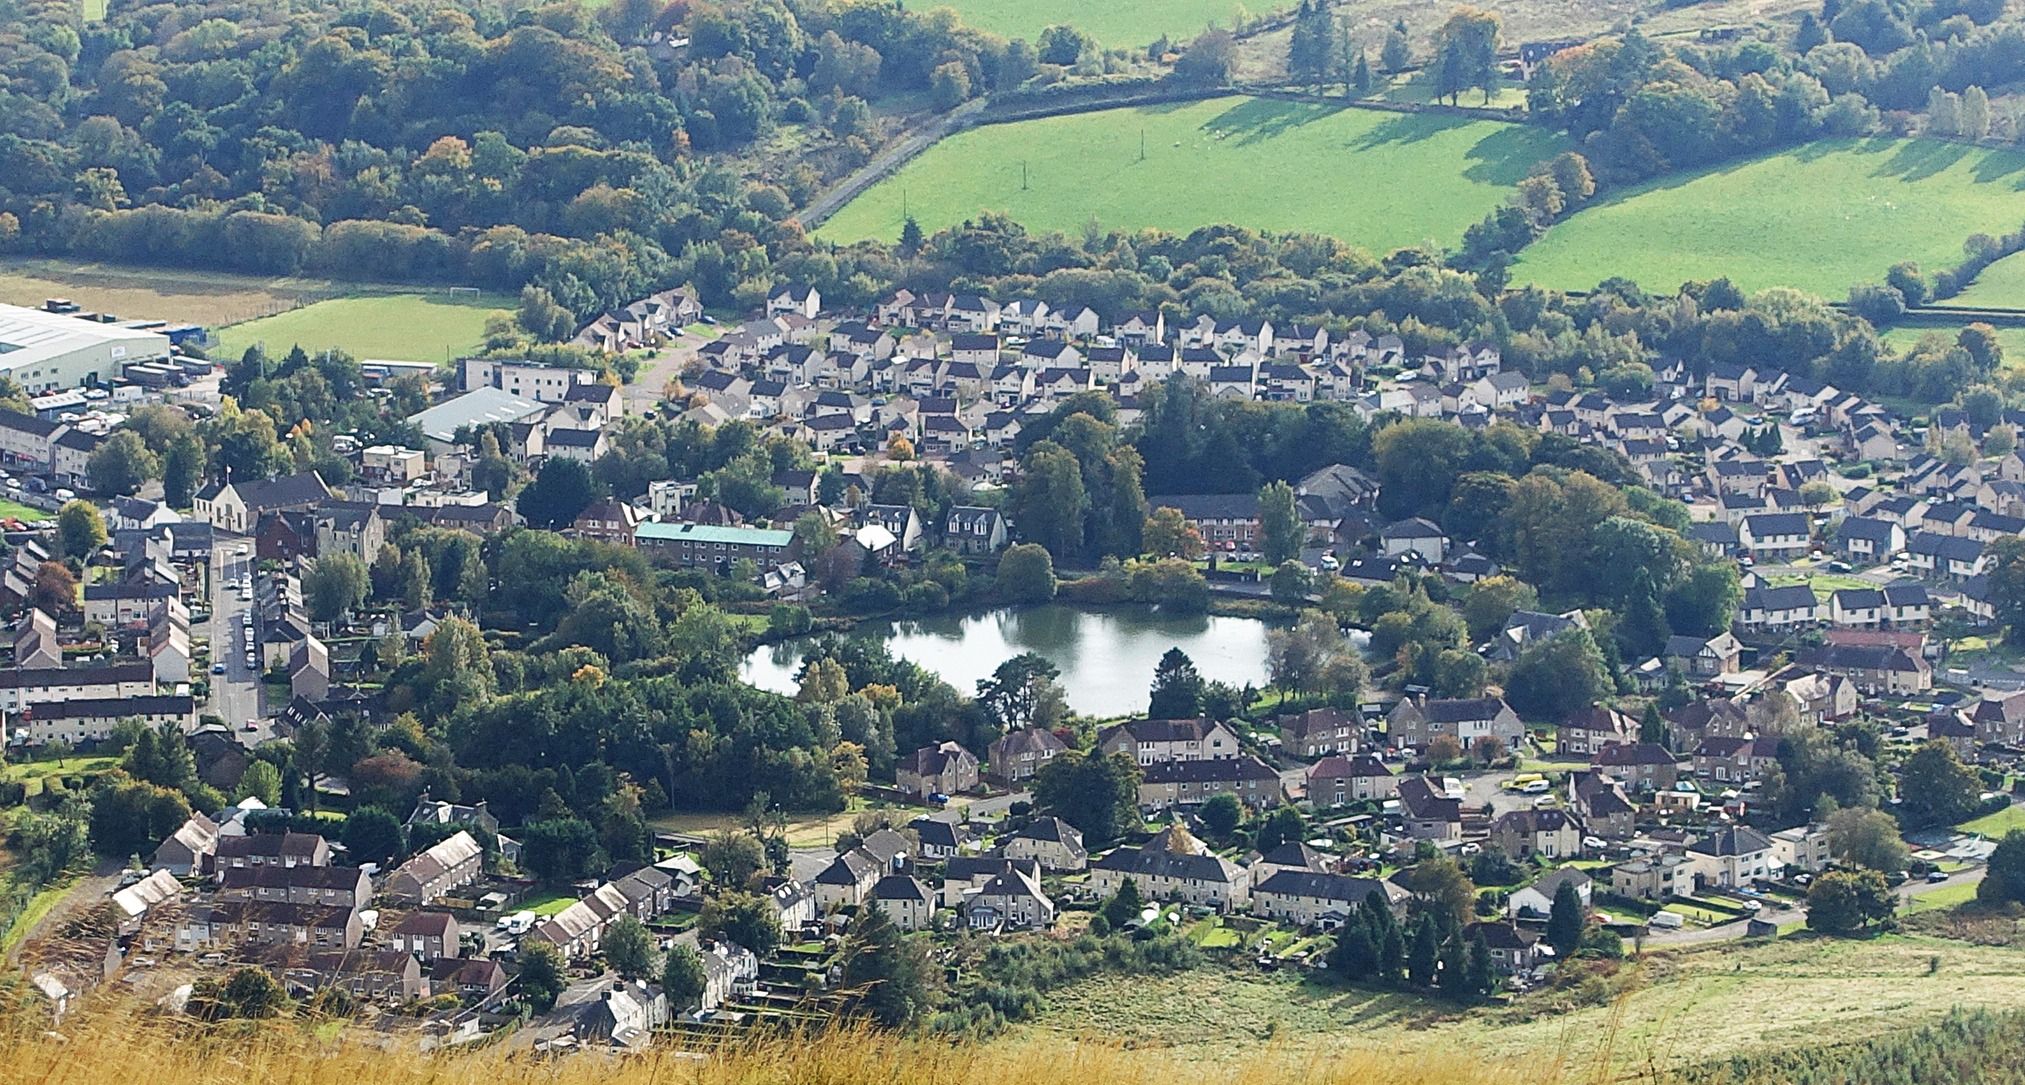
<point x="112" y="1046"/>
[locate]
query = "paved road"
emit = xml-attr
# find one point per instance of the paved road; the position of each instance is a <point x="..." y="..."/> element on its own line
<point x="235" y="695"/>
<point x="1797" y="913"/>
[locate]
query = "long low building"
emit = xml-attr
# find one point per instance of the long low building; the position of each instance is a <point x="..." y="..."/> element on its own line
<point x="1188" y="783"/>
<point x="93" y="719"/>
<point x="42" y="350"/>
<point x="709" y="546"/>
<point x="20" y="686"/>
<point x="1316" y="899"/>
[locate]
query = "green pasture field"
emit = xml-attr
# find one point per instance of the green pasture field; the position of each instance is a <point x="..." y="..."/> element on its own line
<point x="1115" y="24"/>
<point x="1376" y="179"/>
<point x="2000" y="286"/>
<point x="1822" y="218"/>
<point x="435" y="327"/>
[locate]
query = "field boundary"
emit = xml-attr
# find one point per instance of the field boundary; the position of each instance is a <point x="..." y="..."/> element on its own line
<point x="995" y="111"/>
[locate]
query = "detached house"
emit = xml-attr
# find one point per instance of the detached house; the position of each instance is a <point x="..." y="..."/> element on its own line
<point x="1426" y="813"/>
<point x="1321" y="731"/>
<point x="943" y="769"/>
<point x="1018" y="755"/>
<point x="1053" y="843"/>
<point x="1548" y="832"/>
<point x="1417" y="721"/>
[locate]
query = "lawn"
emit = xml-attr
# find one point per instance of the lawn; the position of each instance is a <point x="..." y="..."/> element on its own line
<point x="1824" y="584"/>
<point x="1947" y="896"/>
<point x="2000" y="286"/>
<point x="1379" y="180"/>
<point x="22" y="512"/>
<point x="1819" y="217"/>
<point x="403" y="327"/>
<point x="1997" y="824"/>
<point x="33" y="773"/>
<point x="1800" y="990"/>
<point x="547" y="904"/>
<point x="1116" y="24"/>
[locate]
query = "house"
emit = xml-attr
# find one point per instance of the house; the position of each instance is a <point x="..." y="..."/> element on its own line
<point x="1321" y="731"/>
<point x="1019" y="755"/>
<point x="1710" y="657"/>
<point x="1010" y="900"/>
<point x="1153" y="741"/>
<point x="945" y="768"/>
<point x="1875" y="668"/>
<point x="1513" y="949"/>
<point x="1803" y="848"/>
<point x="1734" y="856"/>
<point x="1587" y="730"/>
<point x="427" y="935"/>
<point x="1536" y="901"/>
<point x="1544" y="831"/>
<point x="1416" y="721"/>
<point x="1426" y="813"/>
<point x="1172" y="867"/>
<point x="187" y="850"/>
<point x="319" y="886"/>
<point x="470" y="979"/>
<point x="1735" y="760"/>
<point x="800" y="299"/>
<point x="237" y="506"/>
<point x="1775" y="536"/>
<point x="1315" y="899"/>
<point x="848" y="878"/>
<point x="1338" y="781"/>
<point x="974" y="529"/>
<point x="1655" y="878"/>
<point x="435" y="873"/>
<point x="1164" y="784"/>
<point x="1768" y="609"/>
<point x="1639" y="766"/>
<point x="939" y="839"/>
<point x="1049" y="841"/>
<point x="1601" y="804"/>
<point x="285" y="849"/>
<point x="35" y="644"/>
<point x="1414" y="536"/>
<point x="625" y="1015"/>
<point x="230" y="924"/>
<point x="905" y="901"/>
<point x="1226" y="522"/>
<point x="1869" y="540"/>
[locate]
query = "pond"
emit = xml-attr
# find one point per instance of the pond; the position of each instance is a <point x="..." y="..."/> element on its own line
<point x="1106" y="656"/>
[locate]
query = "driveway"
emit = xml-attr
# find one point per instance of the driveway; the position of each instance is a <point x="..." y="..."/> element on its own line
<point x="236" y="694"/>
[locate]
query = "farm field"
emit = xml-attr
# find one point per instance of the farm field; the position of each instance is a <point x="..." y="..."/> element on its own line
<point x="406" y="327"/>
<point x="1379" y="180"/>
<point x="1821" y="217"/>
<point x="1905" y="335"/>
<point x="212" y="299"/>
<point x="1118" y="24"/>
<point x="2000" y="286"/>
<point x="1802" y="990"/>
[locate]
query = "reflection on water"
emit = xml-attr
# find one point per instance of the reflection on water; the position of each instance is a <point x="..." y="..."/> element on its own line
<point x="1106" y="657"/>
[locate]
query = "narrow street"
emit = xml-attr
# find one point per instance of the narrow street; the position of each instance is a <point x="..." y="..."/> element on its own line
<point x="236" y="694"/>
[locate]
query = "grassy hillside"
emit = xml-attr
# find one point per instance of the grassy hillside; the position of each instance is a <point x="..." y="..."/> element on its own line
<point x="2000" y="286"/>
<point x="1820" y="217"/>
<point x="1379" y="180"/>
<point x="1116" y="24"/>
<point x="1905" y="335"/>
<point x="403" y="327"/>
<point x="1653" y="1015"/>
<point x="109" y="1049"/>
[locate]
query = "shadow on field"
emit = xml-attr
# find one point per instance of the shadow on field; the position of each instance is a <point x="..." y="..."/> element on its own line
<point x="1256" y="120"/>
<point x="1917" y="160"/>
<point x="1507" y="155"/>
<point x="1409" y="128"/>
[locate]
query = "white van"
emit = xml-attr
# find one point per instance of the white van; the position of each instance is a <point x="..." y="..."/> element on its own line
<point x="1670" y="921"/>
